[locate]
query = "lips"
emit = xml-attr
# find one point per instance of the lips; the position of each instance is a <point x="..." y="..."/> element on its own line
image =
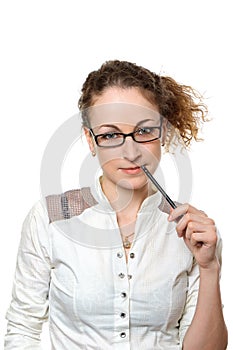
<point x="131" y="170"/>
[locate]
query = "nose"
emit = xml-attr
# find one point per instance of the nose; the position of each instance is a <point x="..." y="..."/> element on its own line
<point x="131" y="150"/>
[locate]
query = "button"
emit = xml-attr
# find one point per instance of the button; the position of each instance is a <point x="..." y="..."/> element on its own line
<point x="119" y="254"/>
<point x="132" y="255"/>
<point x="123" y="315"/>
<point x="129" y="277"/>
<point x="123" y="295"/>
<point x="121" y="275"/>
<point x="123" y="335"/>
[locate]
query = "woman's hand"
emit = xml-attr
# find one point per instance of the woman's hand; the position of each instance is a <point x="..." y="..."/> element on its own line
<point x="198" y="232"/>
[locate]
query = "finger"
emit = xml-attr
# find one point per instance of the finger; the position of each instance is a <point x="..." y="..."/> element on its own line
<point x="198" y="227"/>
<point x="183" y="209"/>
<point x="192" y="221"/>
<point x="209" y="239"/>
<point x="202" y="213"/>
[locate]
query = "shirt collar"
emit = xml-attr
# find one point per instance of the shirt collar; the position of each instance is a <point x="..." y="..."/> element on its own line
<point x="150" y="204"/>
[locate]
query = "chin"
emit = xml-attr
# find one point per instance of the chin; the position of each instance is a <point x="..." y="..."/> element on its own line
<point x="132" y="184"/>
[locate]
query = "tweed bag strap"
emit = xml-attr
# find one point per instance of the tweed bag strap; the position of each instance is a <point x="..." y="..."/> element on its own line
<point x="68" y="204"/>
<point x="74" y="202"/>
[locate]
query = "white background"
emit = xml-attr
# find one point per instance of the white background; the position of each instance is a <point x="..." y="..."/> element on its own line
<point x="47" y="50"/>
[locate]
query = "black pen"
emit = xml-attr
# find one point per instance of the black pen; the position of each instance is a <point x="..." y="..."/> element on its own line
<point x="151" y="177"/>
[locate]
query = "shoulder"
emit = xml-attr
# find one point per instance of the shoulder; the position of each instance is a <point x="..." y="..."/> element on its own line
<point x="37" y="213"/>
<point x="57" y="207"/>
<point x="68" y="204"/>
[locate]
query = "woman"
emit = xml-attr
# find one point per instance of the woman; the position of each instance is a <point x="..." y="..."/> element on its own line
<point x="120" y="273"/>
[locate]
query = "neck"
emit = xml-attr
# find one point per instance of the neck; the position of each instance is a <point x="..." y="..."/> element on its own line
<point x="125" y="201"/>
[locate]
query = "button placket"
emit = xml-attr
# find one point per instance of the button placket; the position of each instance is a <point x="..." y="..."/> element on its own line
<point x="130" y="265"/>
<point x="122" y="301"/>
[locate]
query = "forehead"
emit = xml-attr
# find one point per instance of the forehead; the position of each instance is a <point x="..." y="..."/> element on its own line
<point x="121" y="113"/>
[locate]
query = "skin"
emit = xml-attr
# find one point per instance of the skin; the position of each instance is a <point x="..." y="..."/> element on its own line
<point x="130" y="154"/>
<point x="126" y="192"/>
<point x="199" y="234"/>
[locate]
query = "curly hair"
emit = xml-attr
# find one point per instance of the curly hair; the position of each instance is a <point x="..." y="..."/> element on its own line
<point x="180" y="104"/>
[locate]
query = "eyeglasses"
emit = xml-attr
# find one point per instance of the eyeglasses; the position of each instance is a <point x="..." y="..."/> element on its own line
<point x="143" y="134"/>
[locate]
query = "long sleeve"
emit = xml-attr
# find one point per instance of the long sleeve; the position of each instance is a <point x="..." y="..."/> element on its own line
<point x="29" y="306"/>
<point x="192" y="292"/>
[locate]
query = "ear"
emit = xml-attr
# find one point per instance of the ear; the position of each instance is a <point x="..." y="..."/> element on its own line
<point x="90" y="140"/>
<point x="164" y="131"/>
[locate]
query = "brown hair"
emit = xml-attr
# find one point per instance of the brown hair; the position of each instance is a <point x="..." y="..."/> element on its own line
<point x="180" y="104"/>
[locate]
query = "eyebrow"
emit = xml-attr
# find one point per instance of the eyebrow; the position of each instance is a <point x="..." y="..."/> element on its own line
<point x="116" y="127"/>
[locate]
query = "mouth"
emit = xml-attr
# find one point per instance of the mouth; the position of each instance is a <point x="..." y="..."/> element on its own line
<point x="131" y="170"/>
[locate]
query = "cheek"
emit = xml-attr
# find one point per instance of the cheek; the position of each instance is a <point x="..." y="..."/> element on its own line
<point x="149" y="154"/>
<point x="152" y="154"/>
<point x="106" y="156"/>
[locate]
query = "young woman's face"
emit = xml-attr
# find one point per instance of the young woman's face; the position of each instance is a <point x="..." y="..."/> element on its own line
<point x="125" y="111"/>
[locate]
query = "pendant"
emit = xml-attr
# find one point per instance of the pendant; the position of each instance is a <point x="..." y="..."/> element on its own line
<point x="127" y="243"/>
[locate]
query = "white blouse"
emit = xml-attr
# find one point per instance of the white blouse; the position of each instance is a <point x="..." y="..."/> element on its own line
<point x="74" y="273"/>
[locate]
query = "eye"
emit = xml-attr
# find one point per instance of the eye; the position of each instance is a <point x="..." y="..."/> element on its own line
<point x="145" y="131"/>
<point x="109" y="135"/>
